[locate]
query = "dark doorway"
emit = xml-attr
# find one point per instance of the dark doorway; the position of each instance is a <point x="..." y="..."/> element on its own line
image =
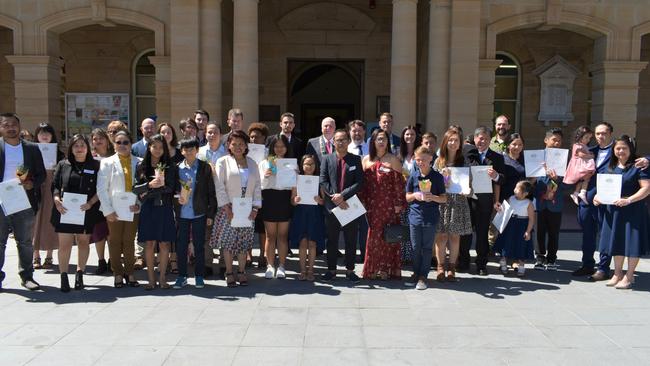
<point x="318" y="89"/>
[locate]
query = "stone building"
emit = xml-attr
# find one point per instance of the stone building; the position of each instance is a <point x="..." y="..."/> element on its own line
<point x="543" y="62"/>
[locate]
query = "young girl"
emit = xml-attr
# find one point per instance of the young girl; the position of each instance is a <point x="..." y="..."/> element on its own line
<point x="515" y="242"/>
<point x="307" y="232"/>
<point x="581" y="166"/>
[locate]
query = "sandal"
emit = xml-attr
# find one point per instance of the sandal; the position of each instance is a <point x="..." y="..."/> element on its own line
<point x="230" y="280"/>
<point x="165" y="286"/>
<point x="242" y="279"/>
<point x="302" y="276"/>
<point x="120" y="283"/>
<point x="37" y="263"/>
<point x="48" y="263"/>
<point x="149" y="287"/>
<point x="133" y="283"/>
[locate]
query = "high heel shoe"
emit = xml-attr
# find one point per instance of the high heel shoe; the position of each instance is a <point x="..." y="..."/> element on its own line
<point x="79" y="280"/>
<point x="65" y="284"/>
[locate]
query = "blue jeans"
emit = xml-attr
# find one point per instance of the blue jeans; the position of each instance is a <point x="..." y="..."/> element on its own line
<point x="22" y="224"/>
<point x="589" y="220"/>
<point x="197" y="225"/>
<point x="422" y="241"/>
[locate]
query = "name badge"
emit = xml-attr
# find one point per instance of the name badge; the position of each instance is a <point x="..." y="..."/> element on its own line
<point x="383" y="169"/>
<point x="353" y="167"/>
<point x="88" y="171"/>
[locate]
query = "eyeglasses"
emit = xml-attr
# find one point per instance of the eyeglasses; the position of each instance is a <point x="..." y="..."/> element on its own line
<point x="123" y="143"/>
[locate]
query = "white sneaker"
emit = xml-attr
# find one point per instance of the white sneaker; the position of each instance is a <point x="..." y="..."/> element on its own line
<point x="521" y="271"/>
<point x="270" y="271"/>
<point x="503" y="266"/>
<point x="422" y="285"/>
<point x="280" y="273"/>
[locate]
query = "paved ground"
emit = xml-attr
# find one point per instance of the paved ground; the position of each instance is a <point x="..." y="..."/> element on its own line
<point x="546" y="319"/>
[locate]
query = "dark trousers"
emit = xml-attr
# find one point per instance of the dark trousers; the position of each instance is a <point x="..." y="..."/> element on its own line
<point x="363" y="235"/>
<point x="197" y="225"/>
<point x="22" y="224"/>
<point x="548" y="226"/>
<point x="350" y="232"/>
<point x="483" y="208"/>
<point x="589" y="220"/>
<point x="463" y="253"/>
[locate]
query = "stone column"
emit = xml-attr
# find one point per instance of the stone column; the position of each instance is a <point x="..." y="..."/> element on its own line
<point x="464" y="63"/>
<point x="211" y="58"/>
<point x="438" y="68"/>
<point x="486" y="77"/>
<point x="37" y="83"/>
<point x="615" y="89"/>
<point x="163" y="87"/>
<point x="245" y="93"/>
<point x="185" y="60"/>
<point x="403" y="83"/>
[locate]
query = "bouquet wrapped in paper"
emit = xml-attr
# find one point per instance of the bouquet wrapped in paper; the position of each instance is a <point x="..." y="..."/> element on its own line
<point x="186" y="189"/>
<point x="272" y="164"/>
<point x="22" y="173"/>
<point x="425" y="185"/>
<point x="159" y="172"/>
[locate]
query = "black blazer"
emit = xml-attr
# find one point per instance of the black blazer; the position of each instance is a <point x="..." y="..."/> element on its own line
<point x="205" y="196"/>
<point x="329" y="177"/>
<point x="32" y="160"/>
<point x="88" y="186"/>
<point x="496" y="160"/>
<point x="162" y="196"/>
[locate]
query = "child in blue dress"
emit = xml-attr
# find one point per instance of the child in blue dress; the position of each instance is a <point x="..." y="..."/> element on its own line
<point x="515" y="242"/>
<point x="307" y="230"/>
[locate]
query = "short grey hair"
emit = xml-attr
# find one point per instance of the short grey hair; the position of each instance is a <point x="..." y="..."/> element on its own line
<point x="483" y="130"/>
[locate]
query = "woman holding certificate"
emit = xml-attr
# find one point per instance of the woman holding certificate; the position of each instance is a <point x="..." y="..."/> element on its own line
<point x="45" y="238"/>
<point x="239" y="197"/>
<point x="514" y="165"/>
<point x="455" y="219"/>
<point x="76" y="206"/>
<point x="383" y="196"/>
<point x="278" y="200"/>
<point x="624" y="232"/>
<point x="118" y="203"/>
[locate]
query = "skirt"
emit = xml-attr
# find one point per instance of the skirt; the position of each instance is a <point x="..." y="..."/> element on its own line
<point x="455" y="216"/>
<point x="156" y="223"/>
<point x="100" y="232"/>
<point x="511" y="243"/>
<point x="233" y="239"/>
<point x="278" y="205"/>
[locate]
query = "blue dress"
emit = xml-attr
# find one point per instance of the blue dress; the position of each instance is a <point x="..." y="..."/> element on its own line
<point x="624" y="230"/>
<point x="514" y="172"/>
<point x="511" y="243"/>
<point x="307" y="222"/>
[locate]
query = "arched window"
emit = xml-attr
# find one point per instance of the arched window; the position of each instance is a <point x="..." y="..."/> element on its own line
<point x="144" y="90"/>
<point x="507" y="96"/>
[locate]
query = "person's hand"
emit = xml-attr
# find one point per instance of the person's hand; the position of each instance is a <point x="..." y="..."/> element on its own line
<point x="182" y="200"/>
<point x="337" y="198"/>
<point x="497" y="206"/>
<point x="641" y="163"/>
<point x="492" y="173"/>
<point x="252" y="215"/>
<point x="134" y="208"/>
<point x="28" y="185"/>
<point x="59" y="206"/>
<point x="319" y="200"/>
<point x="622" y="202"/>
<point x="296" y="199"/>
<point x="156" y="183"/>
<point x="527" y="235"/>
<point x="111" y="217"/>
<point x="551" y="174"/>
<point x="86" y="206"/>
<point x="268" y="173"/>
<point x="229" y="213"/>
<point x="427" y="196"/>
<point x="344" y="205"/>
<point x="208" y="222"/>
<point x="596" y="201"/>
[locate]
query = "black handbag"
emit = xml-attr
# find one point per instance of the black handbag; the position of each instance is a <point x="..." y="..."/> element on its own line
<point x="396" y="233"/>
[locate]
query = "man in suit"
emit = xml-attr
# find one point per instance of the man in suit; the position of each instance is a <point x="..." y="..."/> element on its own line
<point x="483" y="206"/>
<point x="235" y="123"/>
<point x="386" y="124"/>
<point x="148" y="129"/>
<point x="287" y="124"/>
<point x="359" y="146"/>
<point x="341" y="177"/>
<point x="15" y="153"/>
<point x="201" y="118"/>
<point x="323" y="145"/>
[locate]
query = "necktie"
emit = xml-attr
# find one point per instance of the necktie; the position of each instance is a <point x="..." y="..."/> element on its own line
<point x="341" y="174"/>
<point x="328" y="146"/>
<point x="360" y="150"/>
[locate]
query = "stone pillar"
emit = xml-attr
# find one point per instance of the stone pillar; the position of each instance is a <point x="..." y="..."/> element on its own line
<point x="438" y="68"/>
<point x="37" y="83"/>
<point x="403" y="80"/>
<point x="464" y="63"/>
<point x="211" y="58"/>
<point x="163" y="87"/>
<point x="615" y="88"/>
<point x="184" y="66"/>
<point x="245" y="93"/>
<point x="486" y="84"/>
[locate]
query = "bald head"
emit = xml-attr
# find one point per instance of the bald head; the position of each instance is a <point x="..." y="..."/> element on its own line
<point x="148" y="128"/>
<point x="327" y="126"/>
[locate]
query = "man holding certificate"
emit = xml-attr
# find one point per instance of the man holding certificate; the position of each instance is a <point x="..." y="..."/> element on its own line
<point x="22" y="160"/>
<point x="341" y="177"/>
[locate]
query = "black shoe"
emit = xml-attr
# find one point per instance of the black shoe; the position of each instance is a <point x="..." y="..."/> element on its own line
<point x="482" y="271"/>
<point x="65" y="284"/>
<point x="30" y="284"/>
<point x="434" y="262"/>
<point x="222" y="273"/>
<point x="102" y="267"/>
<point x="583" y="271"/>
<point x="339" y="254"/>
<point x="108" y="266"/>
<point x="79" y="280"/>
<point x="328" y="276"/>
<point x="290" y="254"/>
<point x="208" y="272"/>
<point x="352" y="277"/>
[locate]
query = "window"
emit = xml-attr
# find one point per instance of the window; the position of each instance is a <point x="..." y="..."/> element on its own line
<point x="144" y="90"/>
<point x="507" y="98"/>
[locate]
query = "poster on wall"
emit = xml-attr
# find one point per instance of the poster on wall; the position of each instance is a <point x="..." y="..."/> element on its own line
<point x="87" y="111"/>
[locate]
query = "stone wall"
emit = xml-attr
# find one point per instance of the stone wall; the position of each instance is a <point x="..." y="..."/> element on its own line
<point x="643" y="106"/>
<point x="6" y="72"/>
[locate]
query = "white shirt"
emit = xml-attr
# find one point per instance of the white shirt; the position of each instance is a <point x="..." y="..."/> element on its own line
<point x="353" y="148"/>
<point x="602" y="154"/>
<point x="519" y="207"/>
<point x="13" y="159"/>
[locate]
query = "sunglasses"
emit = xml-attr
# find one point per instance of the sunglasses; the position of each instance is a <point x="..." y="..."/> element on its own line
<point x="123" y="143"/>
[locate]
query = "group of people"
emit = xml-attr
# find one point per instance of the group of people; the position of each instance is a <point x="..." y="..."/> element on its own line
<point x="177" y="198"/>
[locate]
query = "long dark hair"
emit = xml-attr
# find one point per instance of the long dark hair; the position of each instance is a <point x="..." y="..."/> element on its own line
<point x="613" y="161"/>
<point x="174" y="140"/>
<point x="372" y="150"/>
<point x="73" y="140"/>
<point x="109" y="145"/>
<point x="274" y="140"/>
<point x="403" y="149"/>
<point x="164" y="159"/>
<point x="581" y="132"/>
<point x="45" y="127"/>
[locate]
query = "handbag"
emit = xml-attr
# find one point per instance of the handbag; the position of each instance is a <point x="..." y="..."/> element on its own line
<point x="396" y="233"/>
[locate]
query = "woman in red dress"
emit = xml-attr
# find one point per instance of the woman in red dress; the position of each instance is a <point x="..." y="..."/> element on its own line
<point x="383" y="197"/>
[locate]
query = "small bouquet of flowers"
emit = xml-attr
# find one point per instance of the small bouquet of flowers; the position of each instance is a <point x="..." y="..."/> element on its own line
<point x="425" y="185"/>
<point x="272" y="165"/>
<point x="186" y="188"/>
<point x="159" y="171"/>
<point x="22" y="173"/>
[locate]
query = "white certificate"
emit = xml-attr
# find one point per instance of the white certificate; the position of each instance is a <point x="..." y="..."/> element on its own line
<point x="72" y="203"/>
<point x="307" y="189"/>
<point x="286" y="173"/>
<point x="502" y="216"/>
<point x="48" y="151"/>
<point x="13" y="197"/>
<point x="557" y="159"/>
<point x="241" y="210"/>
<point x="534" y="163"/>
<point x="122" y="201"/>
<point x="458" y="180"/>
<point x="608" y="188"/>
<point x="355" y="210"/>
<point x="481" y="181"/>
<point x="257" y="152"/>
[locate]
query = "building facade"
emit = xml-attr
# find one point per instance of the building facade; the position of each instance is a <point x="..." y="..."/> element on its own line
<point x="433" y="62"/>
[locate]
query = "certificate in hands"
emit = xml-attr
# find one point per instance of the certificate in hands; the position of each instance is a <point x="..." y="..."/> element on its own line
<point x="458" y="180"/>
<point x="13" y="197"/>
<point x="241" y="209"/>
<point x="355" y="210"/>
<point x="72" y="203"/>
<point x="557" y="159"/>
<point x="286" y="175"/>
<point x="257" y="152"/>
<point x="534" y="163"/>
<point x="307" y="189"/>
<point x="502" y="216"/>
<point x="122" y="202"/>
<point x="481" y="181"/>
<point x="48" y="152"/>
<point x="608" y="188"/>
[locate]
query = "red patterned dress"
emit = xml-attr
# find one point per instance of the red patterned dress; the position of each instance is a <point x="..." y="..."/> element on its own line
<point x="383" y="190"/>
